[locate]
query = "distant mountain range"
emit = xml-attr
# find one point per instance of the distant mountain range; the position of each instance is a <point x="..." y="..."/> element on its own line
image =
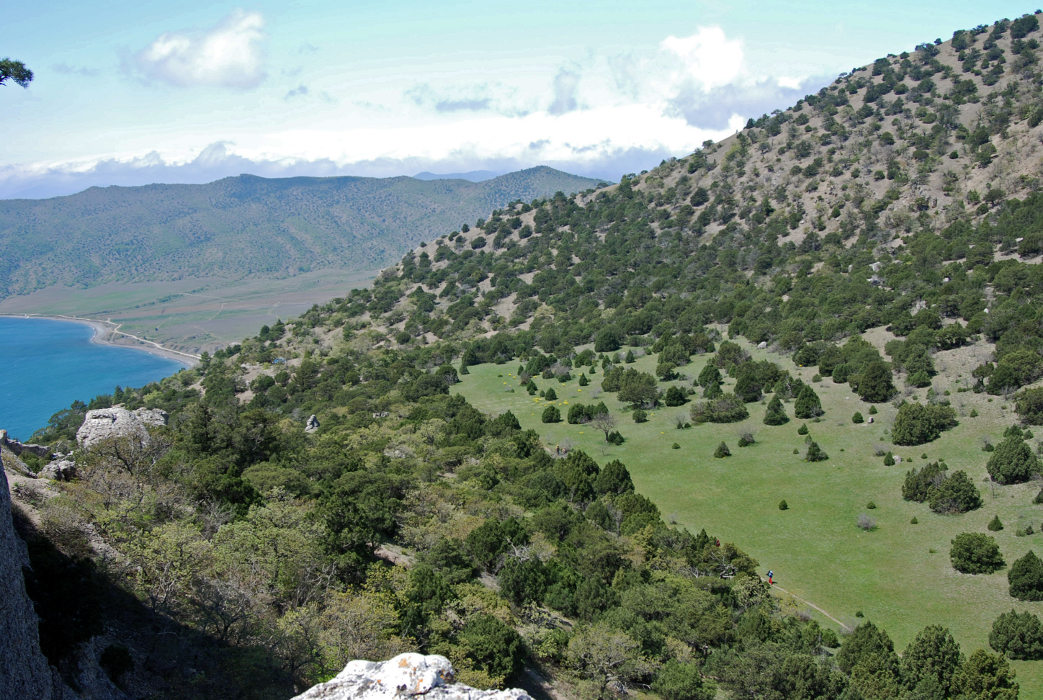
<point x="245" y="226"/>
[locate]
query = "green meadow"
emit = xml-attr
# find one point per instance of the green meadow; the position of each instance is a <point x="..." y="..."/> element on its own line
<point x="897" y="575"/>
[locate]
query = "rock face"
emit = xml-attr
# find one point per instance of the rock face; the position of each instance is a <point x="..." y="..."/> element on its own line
<point x="103" y="423"/>
<point x="19" y="447"/>
<point x="25" y="672"/>
<point x="60" y="470"/>
<point x="404" y="676"/>
<point x="312" y="425"/>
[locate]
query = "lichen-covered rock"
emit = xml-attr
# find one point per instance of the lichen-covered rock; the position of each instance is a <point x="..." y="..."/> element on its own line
<point x="405" y="676"/>
<point x="104" y="423"/>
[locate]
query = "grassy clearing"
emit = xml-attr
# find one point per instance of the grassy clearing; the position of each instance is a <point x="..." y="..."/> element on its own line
<point x="897" y="575"/>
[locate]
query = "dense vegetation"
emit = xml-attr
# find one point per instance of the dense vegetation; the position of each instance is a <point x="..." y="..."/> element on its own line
<point x="890" y="202"/>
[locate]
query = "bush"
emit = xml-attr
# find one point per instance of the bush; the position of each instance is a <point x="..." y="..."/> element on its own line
<point x="954" y="495"/>
<point x="865" y="522"/>
<point x="675" y="397"/>
<point x="919" y="482"/>
<point x="995" y="525"/>
<point x="857" y="418"/>
<point x="1029" y="405"/>
<point x="640" y="416"/>
<point x="889" y="460"/>
<point x="1012" y="462"/>
<point x="678" y="680"/>
<point x="1026" y="578"/>
<point x="975" y="553"/>
<point x="803" y="429"/>
<point x="1039" y="497"/>
<point x="807" y="404"/>
<point x="551" y="414"/>
<point x="775" y="413"/>
<point x="722" y="450"/>
<point x="815" y="453"/>
<point x="1017" y="636"/>
<point x="746" y="439"/>
<point x="725" y="409"/>
<point x="492" y="646"/>
<point x="551" y="395"/>
<point x="917" y="423"/>
<point x="783" y="505"/>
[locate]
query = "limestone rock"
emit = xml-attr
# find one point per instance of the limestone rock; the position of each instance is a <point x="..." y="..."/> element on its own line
<point x="312" y="424"/>
<point x="60" y="470"/>
<point x="26" y="673"/>
<point x="19" y="447"/>
<point x="404" y="676"/>
<point x="104" y="423"/>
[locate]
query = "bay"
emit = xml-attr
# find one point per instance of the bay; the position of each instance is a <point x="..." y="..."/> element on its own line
<point x="47" y="364"/>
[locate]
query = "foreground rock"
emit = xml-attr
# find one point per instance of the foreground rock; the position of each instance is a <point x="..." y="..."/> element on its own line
<point x="404" y="676"/>
<point x="117" y="422"/>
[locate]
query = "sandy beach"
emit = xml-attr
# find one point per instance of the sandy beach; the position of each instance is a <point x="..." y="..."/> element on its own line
<point x="108" y="333"/>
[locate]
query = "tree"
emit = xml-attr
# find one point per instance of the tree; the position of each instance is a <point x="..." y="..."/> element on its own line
<point x="1012" y="462"/>
<point x="919" y="482"/>
<point x="492" y="646"/>
<point x="523" y="580"/>
<point x="15" y="71"/>
<point x="675" y="396"/>
<point x="722" y="450"/>
<point x="917" y="423"/>
<point x="677" y="680"/>
<point x="775" y="413"/>
<point x="975" y="553"/>
<point x="807" y="404"/>
<point x="605" y="422"/>
<point x="868" y="655"/>
<point x="815" y="453"/>
<point x="551" y="414"/>
<point x="957" y="494"/>
<point x="1026" y="578"/>
<point x="608" y="655"/>
<point x="988" y="677"/>
<point x="1017" y="636"/>
<point x="874" y="383"/>
<point x="638" y="388"/>
<point x="614" y="479"/>
<point x="932" y="660"/>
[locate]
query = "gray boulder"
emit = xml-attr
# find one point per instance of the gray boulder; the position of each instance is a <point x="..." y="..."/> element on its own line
<point x="312" y="424"/>
<point x="60" y="470"/>
<point x="404" y="676"/>
<point x="104" y="423"/>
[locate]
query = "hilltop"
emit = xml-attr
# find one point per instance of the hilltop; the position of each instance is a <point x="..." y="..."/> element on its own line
<point x="183" y="256"/>
<point x="578" y="435"/>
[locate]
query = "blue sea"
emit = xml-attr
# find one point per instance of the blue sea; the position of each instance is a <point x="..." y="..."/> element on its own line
<point x="46" y="365"/>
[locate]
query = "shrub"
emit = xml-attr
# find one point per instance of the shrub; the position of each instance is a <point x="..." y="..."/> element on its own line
<point x="1012" y="462"/>
<point x="975" y="553"/>
<point x="675" y="397"/>
<point x="803" y="429"/>
<point x="917" y="423"/>
<point x="995" y="525"/>
<point x="889" y="460"/>
<point x="865" y="522"/>
<point x="722" y="450"/>
<point x="775" y="413"/>
<point x="1026" y="578"/>
<point x="551" y="414"/>
<point x="551" y="395"/>
<point x="746" y="439"/>
<point x="783" y="505"/>
<point x="857" y="418"/>
<point x="807" y="404"/>
<point x="1039" y="497"/>
<point x="725" y="409"/>
<point x="914" y="521"/>
<point x="872" y="410"/>
<point x="919" y="482"/>
<point x="640" y="416"/>
<point x="871" y="505"/>
<point x="815" y="453"/>
<point x="492" y="646"/>
<point x="1017" y="636"/>
<point x="954" y="495"/>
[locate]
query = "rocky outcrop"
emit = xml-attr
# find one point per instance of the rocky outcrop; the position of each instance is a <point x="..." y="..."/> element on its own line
<point x="25" y="672"/>
<point x="19" y="447"/>
<point x="61" y="469"/>
<point x="312" y="425"/>
<point x="404" y="676"/>
<point x="104" y="423"/>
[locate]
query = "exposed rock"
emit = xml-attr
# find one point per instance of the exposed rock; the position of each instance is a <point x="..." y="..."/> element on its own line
<point x="26" y="673"/>
<point x="19" y="447"/>
<point x="312" y="424"/>
<point x="63" y="469"/>
<point x="104" y="423"/>
<point x="404" y="676"/>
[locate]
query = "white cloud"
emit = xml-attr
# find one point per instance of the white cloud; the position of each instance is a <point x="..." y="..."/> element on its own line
<point x="228" y="55"/>
<point x="566" y="86"/>
<point x="708" y="58"/>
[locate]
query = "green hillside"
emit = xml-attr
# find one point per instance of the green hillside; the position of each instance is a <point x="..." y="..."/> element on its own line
<point x="564" y="447"/>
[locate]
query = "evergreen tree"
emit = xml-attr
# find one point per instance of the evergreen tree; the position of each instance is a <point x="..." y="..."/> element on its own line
<point x="722" y="450"/>
<point x="807" y="404"/>
<point x="1012" y="462"/>
<point x="1026" y="578"/>
<point x="1017" y="635"/>
<point x="551" y="414"/>
<point x="957" y="494"/>
<point x="874" y="384"/>
<point x="932" y="660"/>
<point x="975" y="553"/>
<point x="775" y="413"/>
<point x="815" y="453"/>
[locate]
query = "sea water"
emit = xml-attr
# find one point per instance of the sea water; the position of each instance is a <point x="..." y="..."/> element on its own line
<point x="46" y="365"/>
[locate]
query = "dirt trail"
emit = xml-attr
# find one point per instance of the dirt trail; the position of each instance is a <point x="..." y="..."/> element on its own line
<point x="811" y="605"/>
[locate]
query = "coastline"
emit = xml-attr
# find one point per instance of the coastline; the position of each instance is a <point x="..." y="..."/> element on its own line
<point x="109" y="333"/>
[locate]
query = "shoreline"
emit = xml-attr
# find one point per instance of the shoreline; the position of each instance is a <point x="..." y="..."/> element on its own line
<point x="109" y="333"/>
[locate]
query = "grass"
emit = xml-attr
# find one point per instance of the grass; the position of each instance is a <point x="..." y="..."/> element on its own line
<point x="898" y="574"/>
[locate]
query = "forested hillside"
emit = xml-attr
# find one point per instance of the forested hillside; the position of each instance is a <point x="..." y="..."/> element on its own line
<point x="243" y="226"/>
<point x="824" y="331"/>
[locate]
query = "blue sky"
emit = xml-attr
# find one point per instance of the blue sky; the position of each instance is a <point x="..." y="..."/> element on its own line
<point x="147" y="91"/>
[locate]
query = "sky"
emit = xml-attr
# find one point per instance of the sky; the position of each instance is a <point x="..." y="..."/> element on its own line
<point x="130" y="93"/>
